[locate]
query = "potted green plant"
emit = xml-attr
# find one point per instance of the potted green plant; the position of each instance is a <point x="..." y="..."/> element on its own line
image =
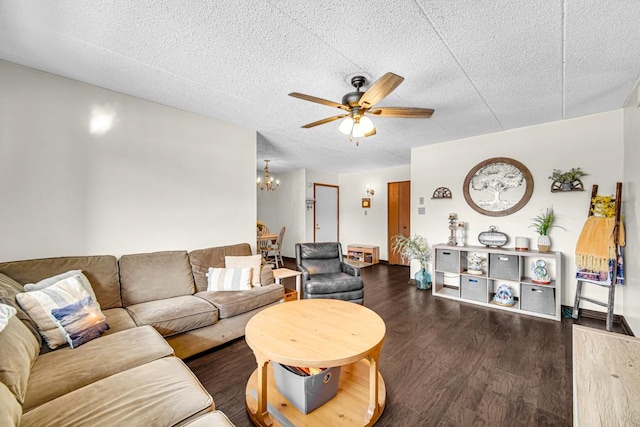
<point x="567" y="181"/>
<point x="542" y="223"/>
<point x="416" y="247"/>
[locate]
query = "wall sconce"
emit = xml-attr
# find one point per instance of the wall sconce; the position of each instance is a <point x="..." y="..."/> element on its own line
<point x="310" y="203"/>
<point x="370" y="191"/>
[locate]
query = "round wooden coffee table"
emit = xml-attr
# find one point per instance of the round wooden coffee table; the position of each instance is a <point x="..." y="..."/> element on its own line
<point x="317" y="333"/>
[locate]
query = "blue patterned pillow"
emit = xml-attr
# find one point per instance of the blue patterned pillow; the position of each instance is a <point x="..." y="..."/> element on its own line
<point x="80" y="321"/>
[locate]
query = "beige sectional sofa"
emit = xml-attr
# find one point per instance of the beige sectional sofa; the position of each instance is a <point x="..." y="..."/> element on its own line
<point x="159" y="312"/>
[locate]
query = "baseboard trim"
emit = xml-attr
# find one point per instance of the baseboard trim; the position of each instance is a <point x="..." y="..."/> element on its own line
<point x="600" y="315"/>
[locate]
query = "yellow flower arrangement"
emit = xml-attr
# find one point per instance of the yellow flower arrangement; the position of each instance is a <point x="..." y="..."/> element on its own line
<point x="604" y="206"/>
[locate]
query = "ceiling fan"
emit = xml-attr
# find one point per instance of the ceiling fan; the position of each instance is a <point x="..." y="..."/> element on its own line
<point x="358" y="105"/>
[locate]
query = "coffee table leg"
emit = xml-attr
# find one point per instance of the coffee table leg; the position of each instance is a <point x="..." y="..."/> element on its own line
<point x="374" y="407"/>
<point x="262" y="414"/>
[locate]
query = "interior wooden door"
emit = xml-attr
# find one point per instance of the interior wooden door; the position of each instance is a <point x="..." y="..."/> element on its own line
<point x="326" y="213"/>
<point x="399" y="216"/>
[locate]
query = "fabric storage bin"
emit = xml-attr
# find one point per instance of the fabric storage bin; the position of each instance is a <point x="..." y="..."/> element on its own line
<point x="473" y="288"/>
<point x="539" y="299"/>
<point x="504" y="267"/>
<point x="448" y="260"/>
<point x="306" y="393"/>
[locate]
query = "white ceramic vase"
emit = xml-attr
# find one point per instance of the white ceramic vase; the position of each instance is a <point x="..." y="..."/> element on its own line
<point x="544" y="243"/>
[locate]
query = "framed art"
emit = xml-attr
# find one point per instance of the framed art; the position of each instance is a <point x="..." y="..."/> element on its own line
<point x="366" y="202"/>
<point x="498" y="187"/>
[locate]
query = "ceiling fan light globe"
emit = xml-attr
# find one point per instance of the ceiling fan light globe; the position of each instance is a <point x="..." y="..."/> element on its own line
<point x="366" y="124"/>
<point x="346" y="125"/>
<point x="358" y="131"/>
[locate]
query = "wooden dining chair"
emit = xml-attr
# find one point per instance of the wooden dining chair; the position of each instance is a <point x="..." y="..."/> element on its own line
<point x="274" y="253"/>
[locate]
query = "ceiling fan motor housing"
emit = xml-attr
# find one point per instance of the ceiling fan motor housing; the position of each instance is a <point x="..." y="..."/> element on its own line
<point x="353" y="98"/>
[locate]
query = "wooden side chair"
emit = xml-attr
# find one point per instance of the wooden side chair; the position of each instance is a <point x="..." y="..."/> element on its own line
<point x="274" y="253"/>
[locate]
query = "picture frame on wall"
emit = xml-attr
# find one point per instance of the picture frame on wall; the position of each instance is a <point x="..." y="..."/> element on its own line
<point x="498" y="187"/>
<point x="366" y="202"/>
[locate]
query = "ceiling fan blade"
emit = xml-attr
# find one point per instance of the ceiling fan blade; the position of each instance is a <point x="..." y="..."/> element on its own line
<point x="414" y="113"/>
<point x="381" y="88"/>
<point x="319" y="100"/>
<point x="323" y="121"/>
<point x="370" y="133"/>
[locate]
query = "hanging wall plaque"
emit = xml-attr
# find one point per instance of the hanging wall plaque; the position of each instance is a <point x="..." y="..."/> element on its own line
<point x="498" y="186"/>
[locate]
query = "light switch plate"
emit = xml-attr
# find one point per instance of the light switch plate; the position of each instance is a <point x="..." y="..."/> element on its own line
<point x="421" y="200"/>
<point x="421" y="211"/>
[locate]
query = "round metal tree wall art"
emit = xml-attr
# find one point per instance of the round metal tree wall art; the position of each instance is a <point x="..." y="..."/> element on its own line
<point x="498" y="186"/>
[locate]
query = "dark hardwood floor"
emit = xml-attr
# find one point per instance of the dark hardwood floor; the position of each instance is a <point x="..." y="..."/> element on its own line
<point x="445" y="363"/>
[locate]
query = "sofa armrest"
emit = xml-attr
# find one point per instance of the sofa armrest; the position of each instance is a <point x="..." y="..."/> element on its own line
<point x="350" y="269"/>
<point x="266" y="275"/>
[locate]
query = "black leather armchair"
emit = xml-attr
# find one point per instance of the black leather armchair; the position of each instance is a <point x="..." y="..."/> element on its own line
<point x="325" y="275"/>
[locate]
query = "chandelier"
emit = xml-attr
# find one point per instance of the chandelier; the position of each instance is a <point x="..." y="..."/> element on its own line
<point x="267" y="182"/>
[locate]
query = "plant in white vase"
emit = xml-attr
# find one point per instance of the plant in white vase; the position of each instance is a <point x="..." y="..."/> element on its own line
<point x="417" y="248"/>
<point x="542" y="223"/>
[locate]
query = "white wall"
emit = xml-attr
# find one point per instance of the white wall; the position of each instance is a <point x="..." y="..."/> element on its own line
<point x="369" y="229"/>
<point x="593" y="143"/>
<point x="631" y="210"/>
<point x="285" y="207"/>
<point x="160" y="179"/>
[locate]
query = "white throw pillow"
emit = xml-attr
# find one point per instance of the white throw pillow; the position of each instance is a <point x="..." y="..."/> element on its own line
<point x="228" y="279"/>
<point x="6" y="311"/>
<point x="254" y="262"/>
<point x="38" y="304"/>
<point x="45" y="283"/>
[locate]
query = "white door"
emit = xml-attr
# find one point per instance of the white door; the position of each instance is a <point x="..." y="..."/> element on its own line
<point x="326" y="213"/>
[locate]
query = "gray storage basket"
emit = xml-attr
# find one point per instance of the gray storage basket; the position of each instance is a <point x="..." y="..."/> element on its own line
<point x="474" y="288"/>
<point x="306" y="393"/>
<point x="448" y="260"/>
<point x="504" y="267"/>
<point x="539" y="299"/>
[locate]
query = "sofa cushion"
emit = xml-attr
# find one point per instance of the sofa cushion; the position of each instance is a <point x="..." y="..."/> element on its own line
<point x="211" y="419"/>
<point x="11" y="410"/>
<point x="154" y="276"/>
<point x="254" y="262"/>
<point x="102" y="272"/>
<point x="162" y="392"/>
<point x="118" y="319"/>
<point x="62" y="371"/>
<point x="333" y="282"/>
<point x="232" y="303"/>
<point x="202" y="259"/>
<point x="40" y="303"/>
<point x="18" y="350"/>
<point x="9" y="288"/>
<point x="174" y="315"/>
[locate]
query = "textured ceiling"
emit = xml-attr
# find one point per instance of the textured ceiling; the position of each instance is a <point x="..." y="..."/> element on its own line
<point x="484" y="66"/>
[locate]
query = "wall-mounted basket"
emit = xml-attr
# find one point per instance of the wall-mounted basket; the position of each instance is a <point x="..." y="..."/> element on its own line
<point x="575" y="185"/>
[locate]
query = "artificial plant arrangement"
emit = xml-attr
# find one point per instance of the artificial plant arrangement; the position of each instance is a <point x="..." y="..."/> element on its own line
<point x="567" y="181"/>
<point x="542" y="223"/>
<point x="567" y="177"/>
<point x="261" y="227"/>
<point x="417" y="248"/>
<point x="603" y="206"/>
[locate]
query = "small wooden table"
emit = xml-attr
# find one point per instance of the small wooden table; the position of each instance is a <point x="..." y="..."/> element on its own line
<point x="317" y="333"/>
<point x="283" y="273"/>
<point x="606" y="378"/>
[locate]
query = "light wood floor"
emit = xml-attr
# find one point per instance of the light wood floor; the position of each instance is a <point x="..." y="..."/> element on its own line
<point x="445" y="363"/>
